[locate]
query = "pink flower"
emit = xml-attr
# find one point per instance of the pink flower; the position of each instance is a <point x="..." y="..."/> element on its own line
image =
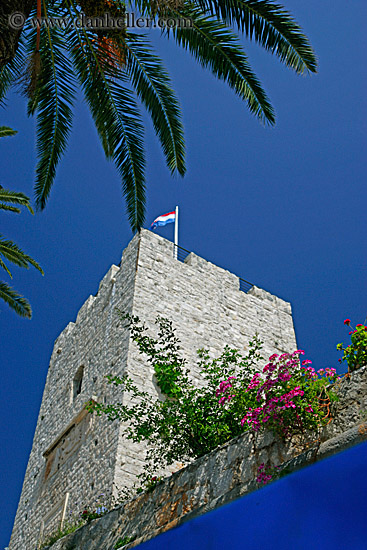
<point x="254" y="382"/>
<point x="330" y="372"/>
<point x="347" y="322"/>
<point x="306" y="362"/>
<point x="299" y="352"/>
<point x="309" y="409"/>
<point x="273" y="357"/>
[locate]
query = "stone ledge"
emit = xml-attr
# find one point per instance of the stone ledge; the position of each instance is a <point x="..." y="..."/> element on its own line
<point x="218" y="478"/>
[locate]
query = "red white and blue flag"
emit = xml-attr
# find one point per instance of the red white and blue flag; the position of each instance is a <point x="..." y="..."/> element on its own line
<point x="164" y="220"/>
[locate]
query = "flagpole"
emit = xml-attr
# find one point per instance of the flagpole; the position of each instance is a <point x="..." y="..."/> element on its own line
<point x="176" y="232"/>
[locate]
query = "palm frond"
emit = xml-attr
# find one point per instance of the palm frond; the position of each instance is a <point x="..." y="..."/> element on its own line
<point x="152" y="85"/>
<point x="9" y="208"/>
<point x="218" y="49"/>
<point x="118" y="123"/>
<point x="11" y="252"/>
<point x="5" y="131"/>
<point x="5" y="267"/>
<point x="14" y="197"/>
<point x="11" y="73"/>
<point x="52" y="100"/>
<point x="268" y="24"/>
<point x="14" y="300"/>
<point x="49" y="81"/>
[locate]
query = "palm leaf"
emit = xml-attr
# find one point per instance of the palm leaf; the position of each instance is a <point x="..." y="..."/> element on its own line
<point x="50" y="85"/>
<point x="152" y="85"/>
<point x="11" y="73"/>
<point x="5" y="131"/>
<point x="218" y="49"/>
<point x="11" y="251"/>
<point x="118" y="123"/>
<point x="14" y="197"/>
<point x="5" y="267"/>
<point x="270" y="25"/>
<point x="17" y="302"/>
<point x="9" y="208"/>
<point x="51" y="100"/>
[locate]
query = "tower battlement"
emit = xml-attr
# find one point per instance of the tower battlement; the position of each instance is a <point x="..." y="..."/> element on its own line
<point x="75" y="455"/>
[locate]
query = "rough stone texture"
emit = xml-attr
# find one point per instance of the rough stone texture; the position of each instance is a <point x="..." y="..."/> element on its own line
<point x="220" y="477"/>
<point x="75" y="456"/>
<point x="352" y="407"/>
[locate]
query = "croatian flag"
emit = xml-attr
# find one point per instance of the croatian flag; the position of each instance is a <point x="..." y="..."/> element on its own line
<point x="164" y="220"/>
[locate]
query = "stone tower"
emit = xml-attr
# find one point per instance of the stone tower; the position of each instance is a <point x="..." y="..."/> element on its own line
<point x="76" y="455"/>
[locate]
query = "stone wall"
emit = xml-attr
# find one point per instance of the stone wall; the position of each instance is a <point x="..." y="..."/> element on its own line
<point x="75" y="457"/>
<point x="83" y="456"/>
<point x="222" y="476"/>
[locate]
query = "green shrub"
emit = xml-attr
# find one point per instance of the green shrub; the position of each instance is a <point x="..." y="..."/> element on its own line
<point x="235" y="396"/>
<point x="356" y="353"/>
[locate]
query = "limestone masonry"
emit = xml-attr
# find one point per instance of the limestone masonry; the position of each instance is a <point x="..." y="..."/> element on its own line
<point x="75" y="455"/>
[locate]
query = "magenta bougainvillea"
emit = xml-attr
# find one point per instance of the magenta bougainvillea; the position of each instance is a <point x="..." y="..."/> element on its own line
<point x="237" y="393"/>
<point x="286" y="393"/>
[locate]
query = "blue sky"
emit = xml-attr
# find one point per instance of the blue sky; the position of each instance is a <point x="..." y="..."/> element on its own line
<point x="284" y="208"/>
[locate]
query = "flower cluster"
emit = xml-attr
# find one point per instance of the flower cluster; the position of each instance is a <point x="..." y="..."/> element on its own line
<point x="286" y="395"/>
<point x="96" y="510"/>
<point x="310" y="373"/>
<point x="223" y="390"/>
<point x="265" y="473"/>
<point x="255" y="381"/>
<point x="278" y="373"/>
<point x="328" y="372"/>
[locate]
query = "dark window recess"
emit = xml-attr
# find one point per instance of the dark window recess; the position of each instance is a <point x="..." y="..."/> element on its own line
<point x="77" y="382"/>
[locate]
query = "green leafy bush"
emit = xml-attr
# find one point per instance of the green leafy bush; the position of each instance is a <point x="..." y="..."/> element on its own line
<point x="356" y="353"/>
<point x="235" y="396"/>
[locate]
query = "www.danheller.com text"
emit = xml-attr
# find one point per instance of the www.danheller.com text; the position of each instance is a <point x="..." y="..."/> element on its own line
<point x="18" y="20"/>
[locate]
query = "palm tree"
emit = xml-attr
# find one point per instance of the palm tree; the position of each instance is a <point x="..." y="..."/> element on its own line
<point x="114" y="67"/>
<point x="9" y="250"/>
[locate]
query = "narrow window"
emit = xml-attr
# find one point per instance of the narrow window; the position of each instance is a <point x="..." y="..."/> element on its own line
<point x="77" y="382"/>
